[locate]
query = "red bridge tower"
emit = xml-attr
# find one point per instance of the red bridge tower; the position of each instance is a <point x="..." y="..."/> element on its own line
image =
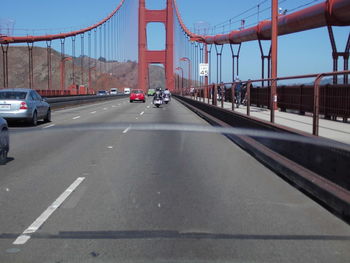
<point x="165" y="57"/>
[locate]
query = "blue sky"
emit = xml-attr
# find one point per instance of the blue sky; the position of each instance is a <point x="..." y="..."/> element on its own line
<point x="305" y="52"/>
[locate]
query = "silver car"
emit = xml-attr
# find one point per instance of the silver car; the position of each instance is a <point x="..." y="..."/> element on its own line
<point x="24" y="104"/>
<point x="4" y="141"/>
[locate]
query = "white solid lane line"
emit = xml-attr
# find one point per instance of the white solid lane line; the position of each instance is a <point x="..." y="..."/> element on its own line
<point x="93" y="112"/>
<point x="77" y="117"/>
<point x="142" y="113"/>
<point x="48" y="126"/>
<point x="22" y="239"/>
<point x="126" y="130"/>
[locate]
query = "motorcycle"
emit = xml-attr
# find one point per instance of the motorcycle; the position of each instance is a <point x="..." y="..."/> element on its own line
<point x="166" y="98"/>
<point x="157" y="102"/>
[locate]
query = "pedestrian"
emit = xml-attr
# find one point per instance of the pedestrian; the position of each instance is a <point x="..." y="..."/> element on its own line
<point x="238" y="91"/>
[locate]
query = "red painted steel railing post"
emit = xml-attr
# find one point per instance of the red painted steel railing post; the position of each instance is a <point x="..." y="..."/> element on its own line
<point x="208" y="93"/>
<point x="316" y="108"/>
<point x="222" y="94"/>
<point x="274" y="43"/>
<point x="215" y="97"/>
<point x="249" y="85"/>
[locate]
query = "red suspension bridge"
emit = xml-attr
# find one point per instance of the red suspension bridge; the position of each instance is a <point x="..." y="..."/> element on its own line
<point x="176" y="183"/>
<point x="112" y="40"/>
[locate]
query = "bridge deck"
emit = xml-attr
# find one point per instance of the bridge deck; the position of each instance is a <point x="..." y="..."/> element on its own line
<point x="155" y="195"/>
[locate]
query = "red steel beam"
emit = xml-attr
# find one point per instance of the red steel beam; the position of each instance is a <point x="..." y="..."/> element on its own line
<point x="330" y="12"/>
<point x="25" y="39"/>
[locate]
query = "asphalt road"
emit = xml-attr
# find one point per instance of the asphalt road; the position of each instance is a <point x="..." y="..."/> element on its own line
<point x="74" y="194"/>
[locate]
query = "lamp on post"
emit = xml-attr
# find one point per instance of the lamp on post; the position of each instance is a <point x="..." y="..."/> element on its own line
<point x="189" y="71"/>
<point x="90" y="81"/>
<point x="182" y="78"/>
<point x="62" y="66"/>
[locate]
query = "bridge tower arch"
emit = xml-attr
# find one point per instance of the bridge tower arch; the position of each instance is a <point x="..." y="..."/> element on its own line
<point x="166" y="56"/>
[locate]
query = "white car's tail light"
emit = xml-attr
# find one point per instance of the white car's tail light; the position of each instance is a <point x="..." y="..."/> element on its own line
<point x="23" y="106"/>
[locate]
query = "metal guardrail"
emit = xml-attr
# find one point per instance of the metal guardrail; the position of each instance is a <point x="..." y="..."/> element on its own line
<point x="57" y="102"/>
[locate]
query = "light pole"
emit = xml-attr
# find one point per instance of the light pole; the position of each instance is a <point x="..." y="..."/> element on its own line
<point x="90" y="69"/>
<point x="63" y="61"/>
<point x="182" y="78"/>
<point x="189" y="71"/>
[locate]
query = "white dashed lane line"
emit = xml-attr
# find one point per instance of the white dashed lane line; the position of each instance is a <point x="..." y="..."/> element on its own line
<point x="126" y="130"/>
<point x="48" y="126"/>
<point x="142" y="113"/>
<point x="76" y="117"/>
<point x="93" y="112"/>
<point x="25" y="236"/>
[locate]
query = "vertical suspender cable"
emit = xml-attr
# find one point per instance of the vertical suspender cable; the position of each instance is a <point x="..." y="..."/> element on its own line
<point x="82" y="58"/>
<point x="49" y="65"/>
<point x="73" y="54"/>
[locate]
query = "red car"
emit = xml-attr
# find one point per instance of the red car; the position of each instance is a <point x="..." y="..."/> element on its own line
<point x="137" y="95"/>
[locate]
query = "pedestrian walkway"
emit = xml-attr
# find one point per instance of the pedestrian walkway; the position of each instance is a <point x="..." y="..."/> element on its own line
<point x="335" y="130"/>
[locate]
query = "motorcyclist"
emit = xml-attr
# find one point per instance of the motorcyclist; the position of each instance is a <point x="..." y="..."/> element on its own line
<point x="167" y="93"/>
<point x="158" y="95"/>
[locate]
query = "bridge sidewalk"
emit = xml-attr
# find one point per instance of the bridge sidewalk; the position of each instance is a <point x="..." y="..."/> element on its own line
<point x="335" y="130"/>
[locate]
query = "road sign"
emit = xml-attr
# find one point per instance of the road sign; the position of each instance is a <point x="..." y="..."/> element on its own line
<point x="203" y="69"/>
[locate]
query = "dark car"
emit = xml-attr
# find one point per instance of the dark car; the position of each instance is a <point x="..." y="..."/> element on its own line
<point x="4" y="141"/>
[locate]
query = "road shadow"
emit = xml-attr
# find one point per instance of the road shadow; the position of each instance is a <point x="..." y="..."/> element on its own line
<point x="22" y="124"/>
<point x="8" y="160"/>
<point x="168" y="234"/>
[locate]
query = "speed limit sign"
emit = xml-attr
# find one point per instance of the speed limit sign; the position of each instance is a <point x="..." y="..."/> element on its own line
<point x="203" y="69"/>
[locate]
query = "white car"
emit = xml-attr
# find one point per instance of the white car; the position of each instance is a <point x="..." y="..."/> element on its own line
<point x="127" y="91"/>
<point x="114" y="92"/>
<point x="24" y="104"/>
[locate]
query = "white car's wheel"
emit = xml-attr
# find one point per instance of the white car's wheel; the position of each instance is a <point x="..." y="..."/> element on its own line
<point x="34" y="120"/>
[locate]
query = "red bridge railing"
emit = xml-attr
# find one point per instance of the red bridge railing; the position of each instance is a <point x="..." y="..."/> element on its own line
<point x="332" y="101"/>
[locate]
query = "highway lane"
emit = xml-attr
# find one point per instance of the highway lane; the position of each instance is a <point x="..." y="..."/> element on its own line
<point x="153" y="196"/>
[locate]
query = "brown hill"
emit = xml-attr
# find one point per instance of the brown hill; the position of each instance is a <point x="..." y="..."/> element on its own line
<point x="104" y="74"/>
